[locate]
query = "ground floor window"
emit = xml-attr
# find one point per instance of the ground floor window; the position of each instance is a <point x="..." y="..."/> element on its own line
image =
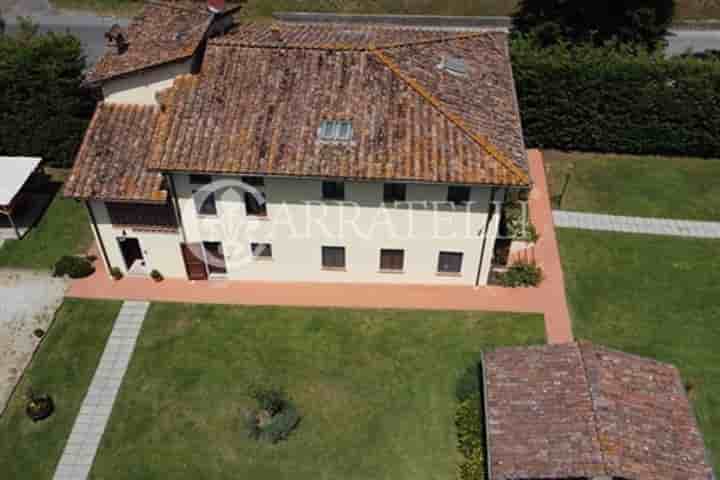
<point x="261" y="251"/>
<point x="450" y="262"/>
<point x="333" y="257"/>
<point x="215" y="258"/>
<point x="392" y="260"/>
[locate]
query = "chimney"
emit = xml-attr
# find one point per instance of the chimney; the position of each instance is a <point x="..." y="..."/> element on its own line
<point x="117" y="38"/>
<point x="216" y="6"/>
<point x="275" y="33"/>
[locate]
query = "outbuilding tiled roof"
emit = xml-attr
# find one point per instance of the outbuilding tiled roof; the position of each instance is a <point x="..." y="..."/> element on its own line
<point x="265" y="90"/>
<point x="164" y="32"/>
<point x="111" y="163"/>
<point x="580" y="410"/>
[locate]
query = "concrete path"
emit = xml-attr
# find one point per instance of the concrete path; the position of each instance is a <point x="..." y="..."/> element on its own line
<point x="28" y="301"/>
<point x="84" y="440"/>
<point x="651" y="226"/>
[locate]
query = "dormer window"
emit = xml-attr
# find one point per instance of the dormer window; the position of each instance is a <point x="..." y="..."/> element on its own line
<point x="454" y="65"/>
<point x="335" y="131"/>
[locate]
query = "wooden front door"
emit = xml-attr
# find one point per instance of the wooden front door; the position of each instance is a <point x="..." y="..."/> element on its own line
<point x="194" y="263"/>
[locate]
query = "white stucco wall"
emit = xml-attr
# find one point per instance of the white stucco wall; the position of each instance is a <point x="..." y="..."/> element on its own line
<point x="140" y="87"/>
<point x="161" y="250"/>
<point x="297" y="231"/>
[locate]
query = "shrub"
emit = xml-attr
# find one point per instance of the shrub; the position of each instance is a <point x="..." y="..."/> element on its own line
<point x="471" y="438"/>
<point x="517" y="223"/>
<point x="74" y="267"/>
<point x="522" y="274"/>
<point x="610" y="99"/>
<point x="116" y="273"/>
<point x="468" y="385"/>
<point x="156" y="275"/>
<point x="275" y="418"/>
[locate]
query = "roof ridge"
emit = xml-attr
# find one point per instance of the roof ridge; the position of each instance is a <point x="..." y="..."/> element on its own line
<point x="369" y="47"/>
<point x="595" y="423"/>
<point x="481" y="140"/>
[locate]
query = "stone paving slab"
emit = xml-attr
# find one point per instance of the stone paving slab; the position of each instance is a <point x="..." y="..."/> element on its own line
<point x="84" y="440"/>
<point x="651" y="226"/>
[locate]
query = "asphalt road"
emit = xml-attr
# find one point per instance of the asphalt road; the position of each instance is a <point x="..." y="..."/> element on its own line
<point x="91" y="28"/>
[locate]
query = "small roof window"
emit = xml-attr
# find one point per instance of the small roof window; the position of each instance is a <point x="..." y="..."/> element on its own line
<point x="454" y="65"/>
<point x="335" y="131"/>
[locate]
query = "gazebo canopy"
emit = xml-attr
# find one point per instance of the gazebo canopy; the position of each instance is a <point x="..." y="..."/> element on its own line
<point x="15" y="173"/>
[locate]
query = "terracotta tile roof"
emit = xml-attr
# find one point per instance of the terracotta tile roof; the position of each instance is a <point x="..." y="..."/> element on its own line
<point x="163" y="32"/>
<point x="579" y="410"/>
<point x="111" y="162"/>
<point x="257" y="105"/>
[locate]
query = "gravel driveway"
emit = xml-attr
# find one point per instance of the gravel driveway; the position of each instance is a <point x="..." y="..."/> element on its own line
<point x="28" y="300"/>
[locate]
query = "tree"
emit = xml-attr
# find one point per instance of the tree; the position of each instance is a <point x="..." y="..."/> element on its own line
<point x="643" y="22"/>
<point x="44" y="110"/>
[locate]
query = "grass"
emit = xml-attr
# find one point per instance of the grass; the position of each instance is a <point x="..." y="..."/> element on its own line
<point x="653" y="296"/>
<point x="683" y="188"/>
<point x="686" y="9"/>
<point x="375" y="389"/>
<point x="63" y="230"/>
<point x="62" y="367"/>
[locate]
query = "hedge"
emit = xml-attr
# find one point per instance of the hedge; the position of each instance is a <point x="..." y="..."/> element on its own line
<point x="613" y="100"/>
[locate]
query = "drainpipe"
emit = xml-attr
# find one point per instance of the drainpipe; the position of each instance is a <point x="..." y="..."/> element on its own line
<point x="96" y="230"/>
<point x="176" y="206"/>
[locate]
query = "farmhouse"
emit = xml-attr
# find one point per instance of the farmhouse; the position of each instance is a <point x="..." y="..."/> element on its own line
<point x="300" y="152"/>
<point x="581" y="411"/>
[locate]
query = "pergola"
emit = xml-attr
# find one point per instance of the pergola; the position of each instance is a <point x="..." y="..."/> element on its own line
<point x="14" y="174"/>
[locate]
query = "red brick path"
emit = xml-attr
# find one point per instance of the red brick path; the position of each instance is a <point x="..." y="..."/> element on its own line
<point x="548" y="299"/>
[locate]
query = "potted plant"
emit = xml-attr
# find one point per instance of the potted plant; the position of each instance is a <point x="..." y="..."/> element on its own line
<point x="39" y="407"/>
<point x="116" y="273"/>
<point x="156" y="275"/>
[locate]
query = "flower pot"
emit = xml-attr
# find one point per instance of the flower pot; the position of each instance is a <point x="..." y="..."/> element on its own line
<point x="40" y="408"/>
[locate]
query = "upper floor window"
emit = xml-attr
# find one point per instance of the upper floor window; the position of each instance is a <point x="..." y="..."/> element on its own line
<point x="255" y="207"/>
<point x="335" y="131"/>
<point x="458" y="195"/>
<point x="454" y="65"/>
<point x="394" y="192"/>
<point x="200" y="179"/>
<point x="254" y="181"/>
<point x="333" y="191"/>
<point x="205" y="203"/>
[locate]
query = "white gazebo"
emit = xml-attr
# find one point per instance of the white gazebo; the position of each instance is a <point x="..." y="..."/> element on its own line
<point x="14" y="174"/>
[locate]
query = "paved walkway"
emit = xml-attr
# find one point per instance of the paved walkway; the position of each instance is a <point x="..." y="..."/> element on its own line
<point x="84" y="440"/>
<point x="548" y="299"/>
<point x="651" y="226"/>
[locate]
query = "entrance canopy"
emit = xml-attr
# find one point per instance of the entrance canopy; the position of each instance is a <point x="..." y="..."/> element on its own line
<point x="15" y="171"/>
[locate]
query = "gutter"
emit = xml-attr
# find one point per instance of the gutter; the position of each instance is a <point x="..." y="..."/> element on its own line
<point x="483" y="375"/>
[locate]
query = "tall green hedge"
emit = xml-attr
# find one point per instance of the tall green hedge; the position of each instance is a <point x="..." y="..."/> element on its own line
<point x="612" y="100"/>
<point x="43" y="109"/>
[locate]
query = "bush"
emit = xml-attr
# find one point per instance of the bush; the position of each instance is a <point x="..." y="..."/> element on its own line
<point x="116" y="273"/>
<point x="471" y="438"/>
<point x="517" y="223"/>
<point x="610" y="99"/>
<point x="275" y="418"/>
<point x="521" y="274"/>
<point x="468" y="385"/>
<point x="156" y="275"/>
<point x="74" y="267"/>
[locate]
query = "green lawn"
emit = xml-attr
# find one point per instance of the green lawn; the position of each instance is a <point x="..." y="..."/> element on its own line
<point x="62" y="367"/>
<point x="683" y="188"/>
<point x="653" y="296"/>
<point x="63" y="230"/>
<point x="375" y="389"/>
<point x="686" y="9"/>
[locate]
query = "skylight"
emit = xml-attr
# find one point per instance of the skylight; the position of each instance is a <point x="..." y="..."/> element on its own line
<point x="454" y="65"/>
<point x="335" y="131"/>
